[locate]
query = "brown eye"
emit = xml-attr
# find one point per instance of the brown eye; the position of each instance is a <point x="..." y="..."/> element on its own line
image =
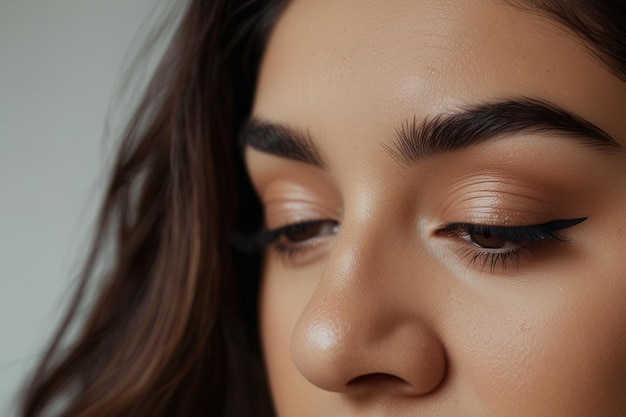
<point x="305" y="231"/>
<point x="487" y="241"/>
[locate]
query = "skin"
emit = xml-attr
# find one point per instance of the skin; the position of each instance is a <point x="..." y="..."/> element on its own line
<point x="387" y="317"/>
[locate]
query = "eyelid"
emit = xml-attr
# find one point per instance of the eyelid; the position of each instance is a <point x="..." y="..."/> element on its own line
<point x="517" y="241"/>
<point x="295" y="197"/>
<point x="547" y="230"/>
<point x="258" y="241"/>
<point x="282" y="212"/>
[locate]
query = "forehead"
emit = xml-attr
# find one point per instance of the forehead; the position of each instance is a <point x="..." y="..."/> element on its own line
<point x="347" y="61"/>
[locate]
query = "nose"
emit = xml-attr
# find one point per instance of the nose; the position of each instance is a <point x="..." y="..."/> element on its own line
<point x="358" y="333"/>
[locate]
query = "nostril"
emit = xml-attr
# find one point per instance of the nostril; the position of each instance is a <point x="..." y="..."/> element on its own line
<point x="376" y="379"/>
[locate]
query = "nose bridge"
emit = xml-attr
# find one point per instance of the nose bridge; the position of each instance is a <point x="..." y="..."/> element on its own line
<point x="358" y="330"/>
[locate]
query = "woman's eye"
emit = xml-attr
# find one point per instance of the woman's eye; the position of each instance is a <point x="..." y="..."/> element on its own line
<point x="493" y="246"/>
<point x="289" y="240"/>
<point x="487" y="240"/>
<point x="494" y="237"/>
<point x="300" y="242"/>
<point x="300" y="232"/>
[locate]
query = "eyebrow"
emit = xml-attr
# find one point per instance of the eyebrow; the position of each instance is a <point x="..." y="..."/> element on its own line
<point x="417" y="140"/>
<point x="280" y="140"/>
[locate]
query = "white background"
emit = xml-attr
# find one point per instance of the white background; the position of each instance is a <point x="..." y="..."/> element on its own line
<point x="60" y="66"/>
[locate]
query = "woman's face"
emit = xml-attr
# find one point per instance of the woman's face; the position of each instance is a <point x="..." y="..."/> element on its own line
<point x="464" y="235"/>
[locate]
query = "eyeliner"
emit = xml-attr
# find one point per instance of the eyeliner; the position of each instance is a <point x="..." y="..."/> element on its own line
<point x="543" y="231"/>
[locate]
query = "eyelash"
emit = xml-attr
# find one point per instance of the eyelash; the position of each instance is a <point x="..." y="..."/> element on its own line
<point x="517" y="238"/>
<point x="261" y="240"/>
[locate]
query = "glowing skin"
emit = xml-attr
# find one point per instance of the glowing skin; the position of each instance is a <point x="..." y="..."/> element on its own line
<point x="388" y="317"/>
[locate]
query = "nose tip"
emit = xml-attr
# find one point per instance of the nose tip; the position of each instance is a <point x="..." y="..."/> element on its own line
<point x="369" y="327"/>
<point x="350" y="357"/>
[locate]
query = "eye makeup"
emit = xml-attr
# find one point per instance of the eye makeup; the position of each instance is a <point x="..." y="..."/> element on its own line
<point x="516" y="234"/>
<point x="288" y="241"/>
<point x="486" y="205"/>
<point x="295" y="233"/>
<point x="493" y="246"/>
<point x="488" y="246"/>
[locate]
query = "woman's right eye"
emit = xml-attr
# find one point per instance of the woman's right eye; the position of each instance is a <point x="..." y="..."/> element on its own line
<point x="290" y="239"/>
<point x="297" y="242"/>
<point x="301" y="232"/>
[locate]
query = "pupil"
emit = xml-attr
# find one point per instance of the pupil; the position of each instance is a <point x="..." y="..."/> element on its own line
<point x="304" y="233"/>
<point x="487" y="241"/>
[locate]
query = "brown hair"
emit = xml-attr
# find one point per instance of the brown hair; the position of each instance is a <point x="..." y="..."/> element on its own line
<point x="598" y="23"/>
<point x="165" y="336"/>
<point x="172" y="331"/>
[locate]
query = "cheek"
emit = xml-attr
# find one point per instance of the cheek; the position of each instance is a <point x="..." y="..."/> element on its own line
<point x="595" y="329"/>
<point x="560" y="348"/>
<point x="581" y="360"/>
<point x="552" y="345"/>
<point x="284" y="295"/>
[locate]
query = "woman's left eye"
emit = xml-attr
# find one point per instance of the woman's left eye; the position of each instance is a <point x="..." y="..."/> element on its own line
<point x="487" y="240"/>
<point x="495" y="246"/>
